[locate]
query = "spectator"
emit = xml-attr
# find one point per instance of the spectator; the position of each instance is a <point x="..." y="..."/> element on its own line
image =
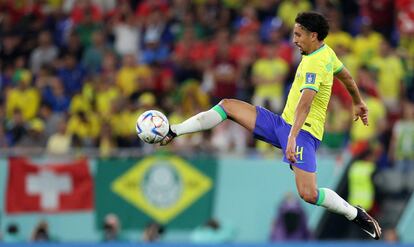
<point x="23" y="97"/>
<point x="93" y="56"/>
<point x="13" y="234"/>
<point x="132" y="77"/>
<point x="61" y="27"/>
<point x="377" y="124"/>
<point x="391" y="236"/>
<point x="193" y="98"/>
<point x="350" y="60"/>
<point x="72" y="75"/>
<point x="146" y="7"/>
<point x="153" y="232"/>
<point x="59" y="143"/>
<point x="367" y="44"/>
<point x="35" y="136"/>
<point x="269" y="74"/>
<point x="80" y="102"/>
<point x="225" y="75"/>
<point x="208" y="14"/>
<point x="44" y="54"/>
<point x="50" y="118"/>
<point x="405" y="24"/>
<point x="381" y="13"/>
<point x="15" y="127"/>
<point x="85" y="11"/>
<point x="127" y="32"/>
<point x="360" y="183"/>
<point x="190" y="142"/>
<point x="337" y="124"/>
<point x="112" y="228"/>
<point x="106" y="93"/>
<point x="55" y="96"/>
<point x="156" y="26"/>
<point x="338" y="37"/>
<point x="41" y="233"/>
<point x="390" y="76"/>
<point x="188" y="57"/>
<point x="84" y="126"/>
<point x="290" y="223"/>
<point x="284" y="49"/>
<point x="402" y="144"/>
<point x="265" y="9"/>
<point x="229" y="138"/>
<point x="288" y="10"/>
<point x="86" y="28"/>
<point x="163" y="80"/>
<point x="154" y="51"/>
<point x="73" y="47"/>
<point x="4" y="139"/>
<point x="212" y="232"/>
<point x="10" y="48"/>
<point x="247" y="22"/>
<point x="188" y="21"/>
<point x="107" y="142"/>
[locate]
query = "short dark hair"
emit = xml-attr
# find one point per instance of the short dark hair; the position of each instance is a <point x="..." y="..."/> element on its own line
<point x="314" y="22"/>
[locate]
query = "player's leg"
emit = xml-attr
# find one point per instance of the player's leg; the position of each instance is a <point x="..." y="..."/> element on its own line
<point x="239" y="111"/>
<point x="307" y="188"/>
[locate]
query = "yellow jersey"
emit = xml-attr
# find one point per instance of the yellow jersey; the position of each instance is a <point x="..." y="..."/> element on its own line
<point x="314" y="72"/>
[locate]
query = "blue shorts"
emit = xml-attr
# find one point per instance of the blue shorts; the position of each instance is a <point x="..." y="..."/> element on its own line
<point x="273" y="129"/>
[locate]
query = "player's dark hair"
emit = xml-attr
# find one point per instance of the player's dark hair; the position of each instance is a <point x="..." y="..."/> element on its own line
<point x="314" y="22"/>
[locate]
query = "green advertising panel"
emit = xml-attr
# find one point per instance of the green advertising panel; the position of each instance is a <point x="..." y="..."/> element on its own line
<point x="165" y="188"/>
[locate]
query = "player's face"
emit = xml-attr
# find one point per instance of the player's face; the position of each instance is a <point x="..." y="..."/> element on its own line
<point x="302" y="38"/>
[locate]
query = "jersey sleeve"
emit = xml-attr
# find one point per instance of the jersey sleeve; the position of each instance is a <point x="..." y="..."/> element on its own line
<point x="337" y="64"/>
<point x="313" y="76"/>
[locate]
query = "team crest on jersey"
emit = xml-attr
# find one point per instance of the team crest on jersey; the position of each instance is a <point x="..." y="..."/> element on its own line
<point x="310" y="78"/>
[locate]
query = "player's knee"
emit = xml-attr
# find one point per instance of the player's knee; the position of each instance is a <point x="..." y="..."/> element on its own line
<point x="310" y="196"/>
<point x="227" y="105"/>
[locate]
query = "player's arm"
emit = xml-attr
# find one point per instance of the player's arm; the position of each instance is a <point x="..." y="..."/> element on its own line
<point x="301" y="113"/>
<point x="360" y="108"/>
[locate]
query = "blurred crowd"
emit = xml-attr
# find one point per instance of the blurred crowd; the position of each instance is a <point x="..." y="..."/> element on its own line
<point x="75" y="74"/>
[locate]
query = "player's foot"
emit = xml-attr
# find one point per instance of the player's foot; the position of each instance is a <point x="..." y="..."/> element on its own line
<point x="367" y="223"/>
<point x="168" y="138"/>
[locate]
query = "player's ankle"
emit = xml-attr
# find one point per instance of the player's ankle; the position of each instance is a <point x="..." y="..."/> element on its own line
<point x="172" y="133"/>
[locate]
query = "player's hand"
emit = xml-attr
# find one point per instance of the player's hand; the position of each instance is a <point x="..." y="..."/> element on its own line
<point x="291" y="150"/>
<point x="361" y="111"/>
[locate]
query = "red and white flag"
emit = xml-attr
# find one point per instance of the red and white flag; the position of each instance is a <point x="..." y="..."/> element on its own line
<point x="48" y="188"/>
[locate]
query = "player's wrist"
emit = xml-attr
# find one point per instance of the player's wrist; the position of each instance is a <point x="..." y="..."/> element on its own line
<point x="356" y="101"/>
<point x="292" y="135"/>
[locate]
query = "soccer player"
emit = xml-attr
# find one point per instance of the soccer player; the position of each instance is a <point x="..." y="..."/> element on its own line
<point x="299" y="130"/>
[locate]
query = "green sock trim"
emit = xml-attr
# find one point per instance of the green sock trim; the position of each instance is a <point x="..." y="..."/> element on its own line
<point x="220" y="111"/>
<point x="321" y="197"/>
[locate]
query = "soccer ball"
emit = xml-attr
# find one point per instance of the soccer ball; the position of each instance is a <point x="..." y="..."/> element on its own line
<point x="152" y="126"/>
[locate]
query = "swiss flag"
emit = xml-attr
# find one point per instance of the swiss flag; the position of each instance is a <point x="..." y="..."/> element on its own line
<point x="48" y="188"/>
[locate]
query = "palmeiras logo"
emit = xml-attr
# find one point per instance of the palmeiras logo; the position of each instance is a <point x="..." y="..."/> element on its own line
<point x="162" y="185"/>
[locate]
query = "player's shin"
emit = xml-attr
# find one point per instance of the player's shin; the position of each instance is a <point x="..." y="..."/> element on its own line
<point x="202" y="121"/>
<point x="330" y="200"/>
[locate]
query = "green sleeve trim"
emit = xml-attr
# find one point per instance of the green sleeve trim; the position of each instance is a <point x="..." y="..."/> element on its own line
<point x="321" y="197"/>
<point x="220" y="111"/>
<point x="339" y="70"/>
<point x="318" y="50"/>
<point x="309" y="87"/>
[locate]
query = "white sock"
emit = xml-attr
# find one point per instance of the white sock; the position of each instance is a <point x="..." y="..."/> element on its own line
<point x="202" y="121"/>
<point x="330" y="200"/>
